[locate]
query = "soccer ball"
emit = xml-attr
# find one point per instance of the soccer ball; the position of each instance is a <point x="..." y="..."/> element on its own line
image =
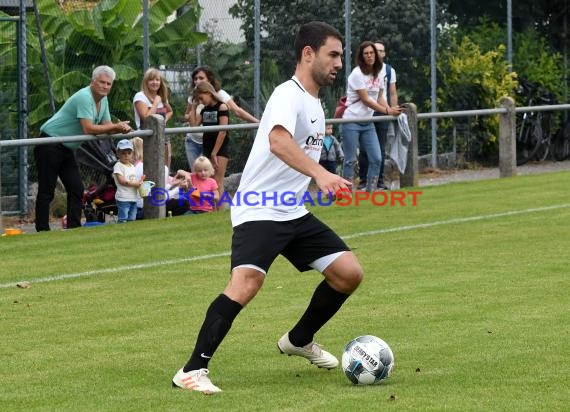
<point x="367" y="360"/>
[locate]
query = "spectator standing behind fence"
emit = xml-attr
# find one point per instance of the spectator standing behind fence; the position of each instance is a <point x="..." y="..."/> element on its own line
<point x="153" y="99"/>
<point x="125" y="176"/>
<point x="193" y="141"/>
<point x="85" y="112"/>
<point x="364" y="96"/>
<point x="331" y="153"/>
<point x="216" y="143"/>
<point x="390" y="93"/>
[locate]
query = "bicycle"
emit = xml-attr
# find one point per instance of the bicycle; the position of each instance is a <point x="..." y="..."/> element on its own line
<point x="560" y="144"/>
<point x="534" y="139"/>
<point x="533" y="128"/>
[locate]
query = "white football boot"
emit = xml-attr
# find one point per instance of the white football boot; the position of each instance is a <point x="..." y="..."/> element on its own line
<point x="312" y="352"/>
<point x="196" y="380"/>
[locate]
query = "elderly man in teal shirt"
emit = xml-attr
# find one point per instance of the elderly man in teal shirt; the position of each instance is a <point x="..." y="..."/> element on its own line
<point x="85" y="112"/>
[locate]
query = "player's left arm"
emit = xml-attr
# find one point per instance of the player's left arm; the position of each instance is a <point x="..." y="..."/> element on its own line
<point x="282" y="145"/>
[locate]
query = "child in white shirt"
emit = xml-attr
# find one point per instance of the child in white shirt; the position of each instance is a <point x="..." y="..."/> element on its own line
<point x="124" y="174"/>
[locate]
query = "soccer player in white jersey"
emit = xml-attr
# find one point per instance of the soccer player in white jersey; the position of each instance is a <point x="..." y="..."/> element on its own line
<point x="284" y="158"/>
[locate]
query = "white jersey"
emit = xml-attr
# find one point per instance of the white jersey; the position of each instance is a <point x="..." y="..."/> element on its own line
<point x="269" y="188"/>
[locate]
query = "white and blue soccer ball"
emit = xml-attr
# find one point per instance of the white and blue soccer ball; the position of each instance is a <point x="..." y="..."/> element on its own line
<point x="367" y="360"/>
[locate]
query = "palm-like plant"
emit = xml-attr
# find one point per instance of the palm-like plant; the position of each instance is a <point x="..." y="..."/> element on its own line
<point x="109" y="33"/>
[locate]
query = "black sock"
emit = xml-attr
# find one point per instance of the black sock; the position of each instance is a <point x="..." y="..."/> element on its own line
<point x="218" y="321"/>
<point x="324" y="304"/>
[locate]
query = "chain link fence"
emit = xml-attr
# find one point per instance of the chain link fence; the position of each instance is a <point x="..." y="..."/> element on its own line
<point x="10" y="172"/>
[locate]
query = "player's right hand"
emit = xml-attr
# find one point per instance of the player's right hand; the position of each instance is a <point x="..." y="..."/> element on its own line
<point x="329" y="182"/>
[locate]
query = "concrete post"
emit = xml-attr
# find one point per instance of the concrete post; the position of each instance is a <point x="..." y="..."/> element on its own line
<point x="410" y="176"/>
<point x="153" y="149"/>
<point x="507" y="139"/>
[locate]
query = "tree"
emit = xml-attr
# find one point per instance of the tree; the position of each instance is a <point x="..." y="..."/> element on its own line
<point x="533" y="56"/>
<point x="109" y="32"/>
<point x="404" y="26"/>
<point x="472" y="78"/>
<point x="545" y="16"/>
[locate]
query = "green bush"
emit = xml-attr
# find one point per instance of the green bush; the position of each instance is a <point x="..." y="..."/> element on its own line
<point x="533" y="57"/>
<point x="474" y="74"/>
<point x="472" y="79"/>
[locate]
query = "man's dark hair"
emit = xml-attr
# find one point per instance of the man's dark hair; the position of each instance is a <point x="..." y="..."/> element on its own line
<point x="360" y="62"/>
<point x="382" y="42"/>
<point x="314" y="34"/>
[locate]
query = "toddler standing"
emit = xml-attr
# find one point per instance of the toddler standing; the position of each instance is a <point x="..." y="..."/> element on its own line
<point x="331" y="154"/>
<point x="127" y="183"/>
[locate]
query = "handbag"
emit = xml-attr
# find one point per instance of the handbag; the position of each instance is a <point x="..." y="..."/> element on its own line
<point x="340" y="107"/>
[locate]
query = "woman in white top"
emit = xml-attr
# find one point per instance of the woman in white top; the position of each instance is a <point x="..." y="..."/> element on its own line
<point x="194" y="140"/>
<point x="153" y="99"/>
<point x="364" y="96"/>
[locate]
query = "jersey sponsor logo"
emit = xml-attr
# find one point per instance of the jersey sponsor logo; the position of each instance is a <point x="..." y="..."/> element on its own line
<point x="314" y="144"/>
<point x="314" y="141"/>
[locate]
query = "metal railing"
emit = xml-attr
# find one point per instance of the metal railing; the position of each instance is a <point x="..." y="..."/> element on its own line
<point x="154" y="134"/>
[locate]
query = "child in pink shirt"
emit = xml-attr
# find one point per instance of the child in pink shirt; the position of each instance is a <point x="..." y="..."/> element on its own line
<point x="201" y="179"/>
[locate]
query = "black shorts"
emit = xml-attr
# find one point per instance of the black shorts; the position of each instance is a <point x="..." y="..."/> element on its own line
<point x="301" y="241"/>
<point x="209" y="143"/>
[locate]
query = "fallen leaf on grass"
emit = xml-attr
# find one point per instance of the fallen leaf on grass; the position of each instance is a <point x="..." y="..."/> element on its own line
<point x="24" y="285"/>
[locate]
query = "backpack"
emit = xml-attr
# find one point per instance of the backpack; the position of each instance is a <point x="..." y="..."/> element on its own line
<point x="340" y="107"/>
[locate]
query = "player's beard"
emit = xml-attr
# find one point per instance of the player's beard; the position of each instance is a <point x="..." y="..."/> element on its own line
<point x="321" y="76"/>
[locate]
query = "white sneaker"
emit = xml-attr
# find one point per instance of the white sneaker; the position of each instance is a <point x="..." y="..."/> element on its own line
<point x="196" y="380"/>
<point x="312" y="352"/>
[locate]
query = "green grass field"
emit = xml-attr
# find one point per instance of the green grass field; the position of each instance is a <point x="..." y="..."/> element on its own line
<point x="470" y="288"/>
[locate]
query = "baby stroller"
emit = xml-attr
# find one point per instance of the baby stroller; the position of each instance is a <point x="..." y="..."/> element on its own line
<point x="98" y="156"/>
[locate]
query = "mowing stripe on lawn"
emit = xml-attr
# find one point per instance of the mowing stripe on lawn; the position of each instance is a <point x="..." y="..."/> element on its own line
<point x="353" y="236"/>
<point x="456" y="220"/>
